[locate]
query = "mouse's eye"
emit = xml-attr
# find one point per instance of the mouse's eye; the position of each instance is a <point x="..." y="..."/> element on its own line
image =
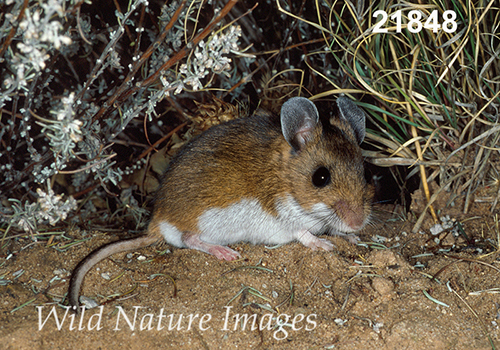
<point x="321" y="177"/>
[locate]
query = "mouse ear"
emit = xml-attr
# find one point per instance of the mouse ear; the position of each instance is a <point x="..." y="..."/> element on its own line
<point x="299" y="117"/>
<point x="354" y="115"/>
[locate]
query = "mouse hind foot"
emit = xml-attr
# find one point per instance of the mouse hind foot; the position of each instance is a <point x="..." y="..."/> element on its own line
<point x="193" y="241"/>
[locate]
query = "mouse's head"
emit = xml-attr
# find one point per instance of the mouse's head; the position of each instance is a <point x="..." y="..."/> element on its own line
<point x="324" y="166"/>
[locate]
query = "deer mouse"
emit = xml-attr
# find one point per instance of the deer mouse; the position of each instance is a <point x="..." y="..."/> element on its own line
<point x="260" y="179"/>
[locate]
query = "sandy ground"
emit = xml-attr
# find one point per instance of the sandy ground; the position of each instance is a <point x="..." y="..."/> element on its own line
<point x="289" y="297"/>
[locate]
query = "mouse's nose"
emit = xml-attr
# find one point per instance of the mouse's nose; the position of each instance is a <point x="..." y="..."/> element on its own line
<point x="352" y="214"/>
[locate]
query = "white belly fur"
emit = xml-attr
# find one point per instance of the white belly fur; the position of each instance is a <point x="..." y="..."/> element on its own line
<point x="247" y="221"/>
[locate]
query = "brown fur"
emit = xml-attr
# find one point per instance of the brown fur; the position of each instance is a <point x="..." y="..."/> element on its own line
<point x="250" y="159"/>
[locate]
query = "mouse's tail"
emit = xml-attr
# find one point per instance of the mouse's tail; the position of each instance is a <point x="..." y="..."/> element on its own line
<point x="99" y="254"/>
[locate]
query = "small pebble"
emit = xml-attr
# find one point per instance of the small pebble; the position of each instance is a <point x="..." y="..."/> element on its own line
<point x="436" y="229"/>
<point x="88" y="303"/>
<point x="383" y="285"/>
<point x="377" y="326"/>
<point x="106" y="275"/>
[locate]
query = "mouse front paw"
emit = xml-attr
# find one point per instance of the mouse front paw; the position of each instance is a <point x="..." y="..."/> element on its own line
<point x="350" y="237"/>
<point x="309" y="240"/>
